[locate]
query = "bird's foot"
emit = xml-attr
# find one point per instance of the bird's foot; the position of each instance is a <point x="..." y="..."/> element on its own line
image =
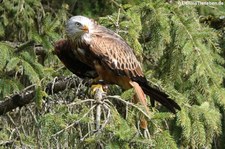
<point x="98" y="93"/>
<point x="96" y="88"/>
<point x="98" y="83"/>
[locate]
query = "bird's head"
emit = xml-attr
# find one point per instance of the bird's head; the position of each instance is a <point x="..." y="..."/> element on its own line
<point x="78" y="25"/>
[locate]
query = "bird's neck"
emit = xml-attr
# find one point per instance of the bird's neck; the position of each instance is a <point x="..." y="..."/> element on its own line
<point x="80" y="38"/>
<point x="86" y="38"/>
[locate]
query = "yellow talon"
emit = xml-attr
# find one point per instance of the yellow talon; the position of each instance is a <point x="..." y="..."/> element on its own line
<point x="95" y="88"/>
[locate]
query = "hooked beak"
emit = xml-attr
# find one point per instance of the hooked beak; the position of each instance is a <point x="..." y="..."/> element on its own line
<point x="85" y="28"/>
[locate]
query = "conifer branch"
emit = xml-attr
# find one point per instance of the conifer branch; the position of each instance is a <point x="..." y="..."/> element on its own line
<point x="27" y="96"/>
<point x="132" y="105"/>
<point x="117" y="4"/>
<point x="74" y="123"/>
<point x="22" y="46"/>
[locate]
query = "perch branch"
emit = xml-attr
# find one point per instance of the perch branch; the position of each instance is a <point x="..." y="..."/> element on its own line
<point x="27" y="96"/>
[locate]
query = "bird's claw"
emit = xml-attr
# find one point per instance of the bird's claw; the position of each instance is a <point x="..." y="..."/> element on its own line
<point x="95" y="88"/>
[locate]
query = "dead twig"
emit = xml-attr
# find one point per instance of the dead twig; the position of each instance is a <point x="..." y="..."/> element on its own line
<point x="74" y="123"/>
<point x="130" y="104"/>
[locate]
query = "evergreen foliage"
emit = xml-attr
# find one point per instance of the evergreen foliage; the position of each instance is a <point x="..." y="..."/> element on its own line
<point x="182" y="52"/>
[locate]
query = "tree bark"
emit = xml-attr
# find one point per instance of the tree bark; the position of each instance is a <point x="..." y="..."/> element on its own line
<point x="26" y="97"/>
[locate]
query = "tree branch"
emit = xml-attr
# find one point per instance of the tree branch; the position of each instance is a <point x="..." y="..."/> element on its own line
<point x="27" y="96"/>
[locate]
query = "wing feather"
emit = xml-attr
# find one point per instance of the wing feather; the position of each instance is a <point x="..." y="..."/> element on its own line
<point x="64" y="52"/>
<point x="115" y="53"/>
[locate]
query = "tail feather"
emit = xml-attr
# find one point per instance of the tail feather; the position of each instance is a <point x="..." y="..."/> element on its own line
<point x="156" y="94"/>
<point x="162" y="98"/>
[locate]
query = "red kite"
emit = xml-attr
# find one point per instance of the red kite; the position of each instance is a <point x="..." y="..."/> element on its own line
<point x="93" y="49"/>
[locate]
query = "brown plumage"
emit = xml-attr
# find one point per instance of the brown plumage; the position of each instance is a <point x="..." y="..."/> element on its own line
<point x="64" y="52"/>
<point x="112" y="58"/>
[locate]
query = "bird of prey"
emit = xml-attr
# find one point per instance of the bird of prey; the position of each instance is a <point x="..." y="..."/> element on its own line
<point x="93" y="49"/>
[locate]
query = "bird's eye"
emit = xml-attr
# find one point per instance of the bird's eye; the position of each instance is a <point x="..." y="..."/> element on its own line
<point x="77" y="24"/>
